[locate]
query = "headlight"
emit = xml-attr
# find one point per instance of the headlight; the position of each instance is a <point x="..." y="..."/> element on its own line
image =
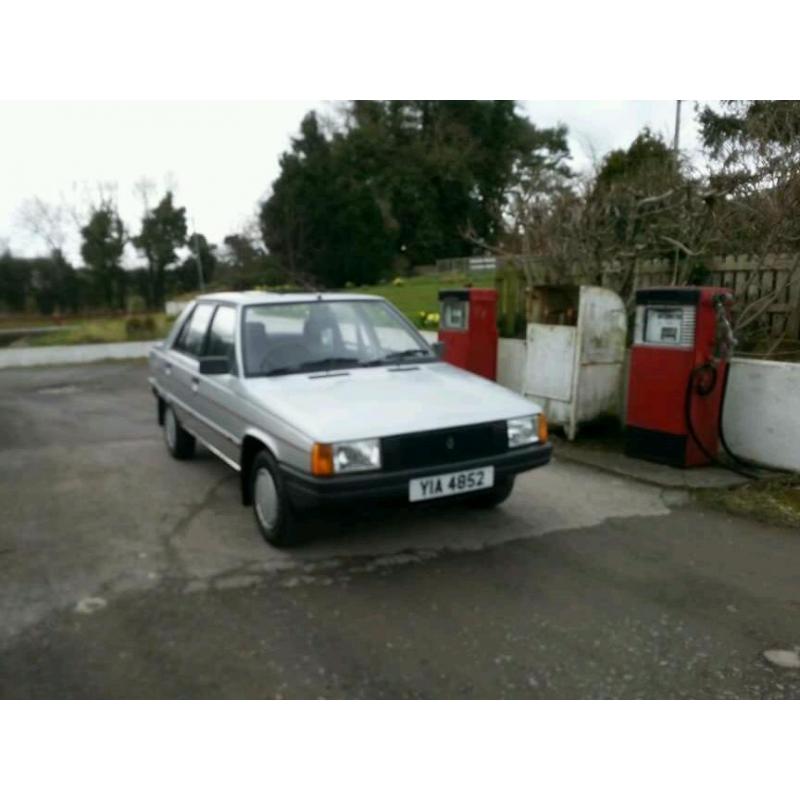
<point x="355" y="456"/>
<point x="527" y="430"/>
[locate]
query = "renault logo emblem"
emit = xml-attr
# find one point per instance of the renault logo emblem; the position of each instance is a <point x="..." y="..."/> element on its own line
<point x="449" y="443"/>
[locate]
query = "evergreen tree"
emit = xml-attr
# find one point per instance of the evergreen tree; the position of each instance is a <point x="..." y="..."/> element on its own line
<point x="400" y="180"/>
<point x="163" y="231"/>
<point x="102" y="248"/>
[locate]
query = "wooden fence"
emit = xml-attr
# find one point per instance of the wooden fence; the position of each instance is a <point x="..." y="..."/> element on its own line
<point x="770" y="285"/>
<point x="470" y="264"/>
<point x="775" y="280"/>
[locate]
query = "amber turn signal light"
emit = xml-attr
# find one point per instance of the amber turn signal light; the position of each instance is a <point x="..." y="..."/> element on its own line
<point x="542" y="428"/>
<point x="321" y="459"/>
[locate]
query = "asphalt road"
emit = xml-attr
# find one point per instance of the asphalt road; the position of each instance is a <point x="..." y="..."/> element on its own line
<point x="124" y="573"/>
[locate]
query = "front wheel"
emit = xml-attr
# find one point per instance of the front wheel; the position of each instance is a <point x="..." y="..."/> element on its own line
<point x="273" y="511"/>
<point x="490" y="498"/>
<point x="180" y="442"/>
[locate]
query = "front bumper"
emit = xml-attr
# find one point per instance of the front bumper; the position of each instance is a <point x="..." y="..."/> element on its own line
<point x="307" y="491"/>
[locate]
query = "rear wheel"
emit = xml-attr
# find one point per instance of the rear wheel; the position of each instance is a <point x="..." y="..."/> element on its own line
<point x="180" y="442"/>
<point x="493" y="497"/>
<point x="274" y="515"/>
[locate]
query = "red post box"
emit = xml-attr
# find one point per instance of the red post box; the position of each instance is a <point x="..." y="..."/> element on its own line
<point x="468" y="329"/>
<point x="682" y="342"/>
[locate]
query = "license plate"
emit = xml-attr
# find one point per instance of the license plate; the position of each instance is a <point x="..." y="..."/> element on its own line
<point x="470" y="480"/>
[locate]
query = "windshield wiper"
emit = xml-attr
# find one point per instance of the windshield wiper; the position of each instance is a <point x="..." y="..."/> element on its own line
<point x="327" y="363"/>
<point x="394" y="356"/>
<point x="311" y="366"/>
<point x="414" y="351"/>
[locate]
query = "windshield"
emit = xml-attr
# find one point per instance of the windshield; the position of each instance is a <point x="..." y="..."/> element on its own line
<point x="314" y="335"/>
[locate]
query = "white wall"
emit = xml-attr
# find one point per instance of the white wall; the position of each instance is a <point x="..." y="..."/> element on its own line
<point x="511" y="355"/>
<point x="71" y="354"/>
<point x="761" y="417"/>
<point x="172" y="308"/>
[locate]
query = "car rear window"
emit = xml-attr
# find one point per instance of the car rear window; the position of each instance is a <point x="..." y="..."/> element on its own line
<point x="194" y="330"/>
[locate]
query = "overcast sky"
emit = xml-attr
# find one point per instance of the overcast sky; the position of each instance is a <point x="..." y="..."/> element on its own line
<point x="221" y="157"/>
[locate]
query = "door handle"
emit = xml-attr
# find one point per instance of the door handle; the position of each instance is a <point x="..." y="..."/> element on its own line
<point x="195" y="384"/>
<point x="168" y="369"/>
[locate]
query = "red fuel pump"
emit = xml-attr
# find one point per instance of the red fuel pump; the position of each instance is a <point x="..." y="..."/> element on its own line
<point x="679" y="360"/>
<point x="468" y="329"/>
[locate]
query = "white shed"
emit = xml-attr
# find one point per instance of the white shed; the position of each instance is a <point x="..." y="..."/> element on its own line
<point x="575" y="357"/>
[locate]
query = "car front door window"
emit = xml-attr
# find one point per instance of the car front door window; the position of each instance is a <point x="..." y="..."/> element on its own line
<point x="221" y="334"/>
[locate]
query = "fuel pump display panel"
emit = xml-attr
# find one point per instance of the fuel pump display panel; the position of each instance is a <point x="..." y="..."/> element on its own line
<point x="663" y="325"/>
<point x="454" y="314"/>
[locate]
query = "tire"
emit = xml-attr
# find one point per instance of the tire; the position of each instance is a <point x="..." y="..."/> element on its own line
<point x="272" y="509"/>
<point x="180" y="442"/>
<point x="490" y="498"/>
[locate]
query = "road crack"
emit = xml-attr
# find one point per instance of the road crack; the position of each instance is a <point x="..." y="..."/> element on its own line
<point x="181" y="525"/>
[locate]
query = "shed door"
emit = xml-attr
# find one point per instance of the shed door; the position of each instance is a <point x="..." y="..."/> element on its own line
<point x="550" y="361"/>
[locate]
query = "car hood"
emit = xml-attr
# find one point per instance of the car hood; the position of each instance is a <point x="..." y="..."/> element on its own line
<point x="384" y="401"/>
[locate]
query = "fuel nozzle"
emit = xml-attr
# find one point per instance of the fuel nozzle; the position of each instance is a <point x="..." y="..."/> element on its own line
<point x="726" y="340"/>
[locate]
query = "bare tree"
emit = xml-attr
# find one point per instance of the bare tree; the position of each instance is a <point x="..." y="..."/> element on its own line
<point x="754" y="161"/>
<point x="45" y="222"/>
<point x="144" y="189"/>
<point x="647" y="204"/>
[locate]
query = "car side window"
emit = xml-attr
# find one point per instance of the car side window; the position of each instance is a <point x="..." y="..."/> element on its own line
<point x="222" y="332"/>
<point x="193" y="334"/>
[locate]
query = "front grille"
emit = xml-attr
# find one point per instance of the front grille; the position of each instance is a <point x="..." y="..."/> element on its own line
<point x="445" y="446"/>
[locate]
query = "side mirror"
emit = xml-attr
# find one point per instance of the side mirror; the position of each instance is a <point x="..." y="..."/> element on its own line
<point x="438" y="349"/>
<point x="214" y="365"/>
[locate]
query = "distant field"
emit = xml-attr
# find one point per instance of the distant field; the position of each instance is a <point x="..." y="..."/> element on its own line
<point x="421" y="293"/>
<point x="411" y="295"/>
<point x="100" y="330"/>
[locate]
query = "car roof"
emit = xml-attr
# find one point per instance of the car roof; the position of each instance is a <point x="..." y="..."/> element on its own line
<point x="253" y="298"/>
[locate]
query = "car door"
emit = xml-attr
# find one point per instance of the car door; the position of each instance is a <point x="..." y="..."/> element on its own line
<point x="185" y="377"/>
<point x="215" y="397"/>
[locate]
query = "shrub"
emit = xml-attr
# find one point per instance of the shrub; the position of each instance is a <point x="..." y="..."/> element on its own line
<point x="139" y="327"/>
<point x="398" y="282"/>
<point x="428" y="320"/>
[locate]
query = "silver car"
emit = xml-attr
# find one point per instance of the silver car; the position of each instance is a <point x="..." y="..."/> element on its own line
<point x="320" y="399"/>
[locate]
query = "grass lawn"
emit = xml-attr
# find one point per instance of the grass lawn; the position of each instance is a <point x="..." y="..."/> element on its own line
<point x="775" y="500"/>
<point x="421" y="293"/>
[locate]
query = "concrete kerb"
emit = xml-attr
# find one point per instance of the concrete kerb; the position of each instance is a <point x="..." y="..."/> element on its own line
<point x="657" y="475"/>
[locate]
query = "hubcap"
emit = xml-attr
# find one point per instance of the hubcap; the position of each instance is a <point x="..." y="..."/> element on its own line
<point x="169" y="428"/>
<point x="266" y="499"/>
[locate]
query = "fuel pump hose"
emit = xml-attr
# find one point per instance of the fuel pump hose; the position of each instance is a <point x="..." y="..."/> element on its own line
<point x="710" y="369"/>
